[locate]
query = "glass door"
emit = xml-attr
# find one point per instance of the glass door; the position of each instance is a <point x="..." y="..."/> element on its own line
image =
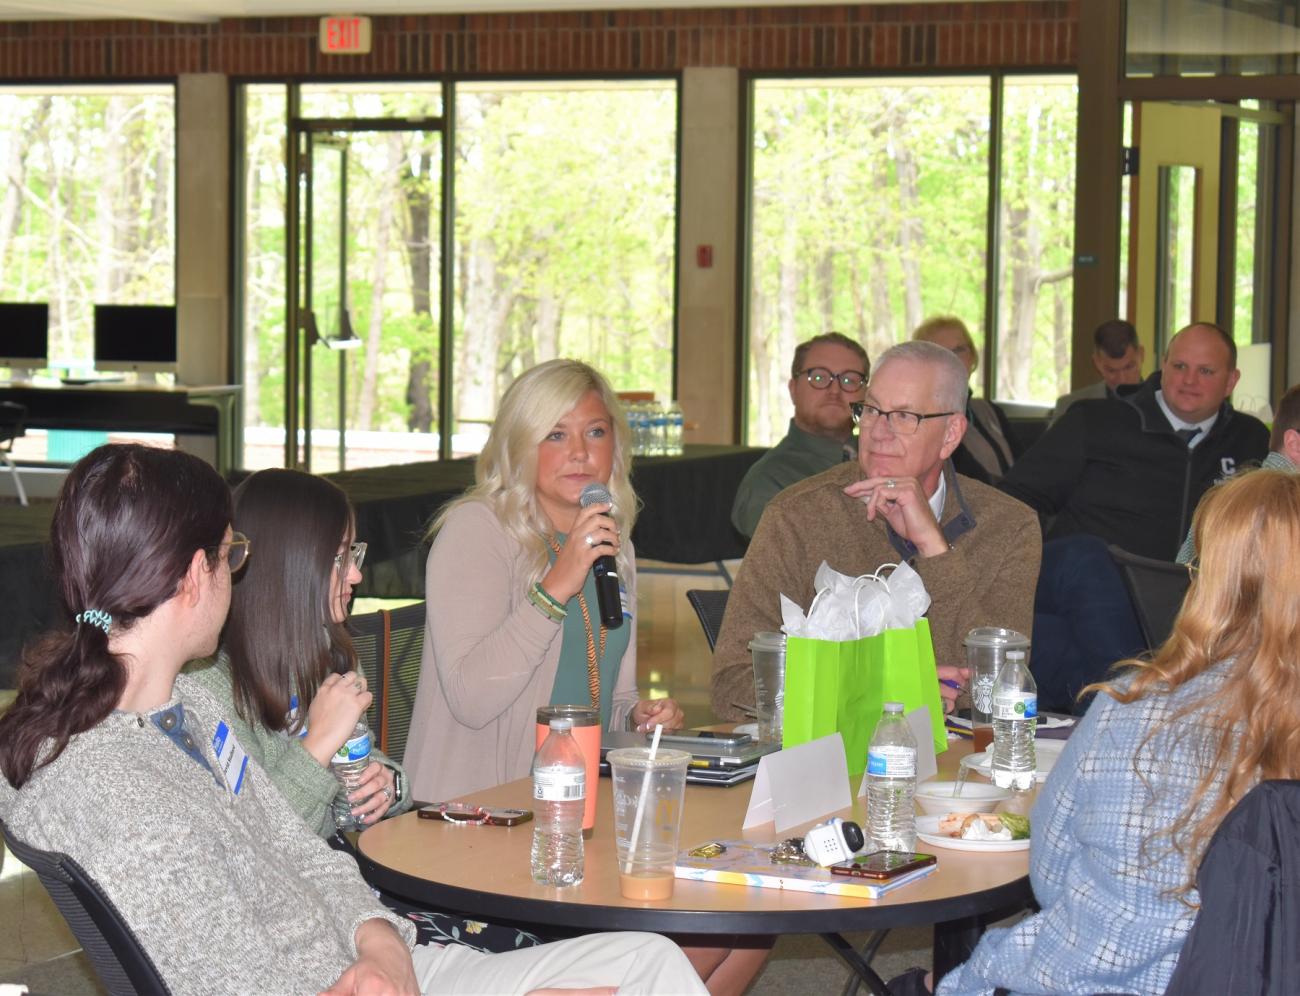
<point x="1203" y="232"/>
<point x="1174" y="249"/>
<point x="364" y="220"/>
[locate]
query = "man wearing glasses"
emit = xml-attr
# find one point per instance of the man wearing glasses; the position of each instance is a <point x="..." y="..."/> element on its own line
<point x="976" y="549"/>
<point x="829" y="372"/>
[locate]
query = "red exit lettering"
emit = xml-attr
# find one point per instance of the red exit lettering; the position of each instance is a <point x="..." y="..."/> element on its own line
<point x="345" y="35"/>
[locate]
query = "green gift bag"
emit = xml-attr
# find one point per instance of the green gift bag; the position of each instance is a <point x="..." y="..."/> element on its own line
<point x="832" y="686"/>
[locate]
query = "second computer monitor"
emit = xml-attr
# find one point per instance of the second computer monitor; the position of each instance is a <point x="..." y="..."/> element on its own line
<point x="135" y="337"/>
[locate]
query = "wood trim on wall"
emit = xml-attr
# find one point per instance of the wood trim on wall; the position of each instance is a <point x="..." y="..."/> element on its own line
<point x="953" y="36"/>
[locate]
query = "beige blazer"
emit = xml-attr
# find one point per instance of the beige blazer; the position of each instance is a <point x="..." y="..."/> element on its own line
<point x="488" y="663"/>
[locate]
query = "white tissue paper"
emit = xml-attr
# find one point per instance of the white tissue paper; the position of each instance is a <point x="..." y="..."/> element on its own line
<point x="846" y="608"/>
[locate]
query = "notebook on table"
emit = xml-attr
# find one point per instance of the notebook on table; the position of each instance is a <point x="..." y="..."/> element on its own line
<point x="711" y="764"/>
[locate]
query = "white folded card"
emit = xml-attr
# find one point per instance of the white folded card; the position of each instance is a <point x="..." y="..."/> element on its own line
<point x="800" y="784"/>
<point x="927" y="766"/>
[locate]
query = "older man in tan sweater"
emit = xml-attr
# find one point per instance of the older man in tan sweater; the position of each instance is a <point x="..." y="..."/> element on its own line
<point x="976" y="549"/>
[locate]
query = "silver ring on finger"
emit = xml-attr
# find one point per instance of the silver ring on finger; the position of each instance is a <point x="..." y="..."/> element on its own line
<point x="590" y="541"/>
<point x="388" y="794"/>
<point x="890" y="483"/>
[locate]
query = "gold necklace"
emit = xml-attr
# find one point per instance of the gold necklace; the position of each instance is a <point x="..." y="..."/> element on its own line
<point x="593" y="661"/>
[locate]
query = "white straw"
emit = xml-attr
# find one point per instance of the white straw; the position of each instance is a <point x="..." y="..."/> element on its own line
<point x="640" y="803"/>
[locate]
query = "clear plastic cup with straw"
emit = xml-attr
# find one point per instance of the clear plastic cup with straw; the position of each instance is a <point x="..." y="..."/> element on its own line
<point x="649" y="786"/>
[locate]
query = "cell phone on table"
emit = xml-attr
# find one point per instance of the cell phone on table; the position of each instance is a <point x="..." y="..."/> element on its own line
<point x="713" y="738"/>
<point x="882" y="865"/>
<point x="469" y="814"/>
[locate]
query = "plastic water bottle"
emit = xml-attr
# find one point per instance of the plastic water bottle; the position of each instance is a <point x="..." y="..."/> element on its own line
<point x="559" y="796"/>
<point x="676" y="425"/>
<point x="891" y="770"/>
<point x="658" y="431"/>
<point x="1015" y="719"/>
<point x="347" y="764"/>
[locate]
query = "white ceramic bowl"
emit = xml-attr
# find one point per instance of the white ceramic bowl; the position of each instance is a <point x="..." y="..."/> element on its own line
<point x="936" y="798"/>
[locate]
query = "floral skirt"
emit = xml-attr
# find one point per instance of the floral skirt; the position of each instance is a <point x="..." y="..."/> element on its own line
<point x="437" y="927"/>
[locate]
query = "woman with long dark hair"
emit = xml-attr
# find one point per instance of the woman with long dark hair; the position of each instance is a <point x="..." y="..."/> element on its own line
<point x="111" y="756"/>
<point x="287" y="667"/>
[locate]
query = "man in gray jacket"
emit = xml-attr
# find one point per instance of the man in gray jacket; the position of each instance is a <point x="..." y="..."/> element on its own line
<point x="829" y="372"/>
<point x="1118" y="357"/>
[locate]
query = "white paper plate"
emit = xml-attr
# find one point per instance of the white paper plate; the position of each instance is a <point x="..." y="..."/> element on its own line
<point x="927" y="829"/>
<point x="1045" y="753"/>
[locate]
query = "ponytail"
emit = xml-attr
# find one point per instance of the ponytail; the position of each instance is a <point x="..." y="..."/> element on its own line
<point x="126" y="525"/>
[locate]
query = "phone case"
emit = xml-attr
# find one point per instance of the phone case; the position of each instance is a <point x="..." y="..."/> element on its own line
<point x="467" y="814"/>
<point x="856" y="870"/>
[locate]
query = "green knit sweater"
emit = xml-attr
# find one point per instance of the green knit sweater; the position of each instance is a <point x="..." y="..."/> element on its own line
<point x="308" y="787"/>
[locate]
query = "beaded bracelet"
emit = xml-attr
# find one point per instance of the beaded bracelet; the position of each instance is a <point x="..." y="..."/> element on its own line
<point x="545" y="604"/>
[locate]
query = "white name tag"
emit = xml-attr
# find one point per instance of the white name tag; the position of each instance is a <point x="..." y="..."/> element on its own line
<point x="231" y="758"/>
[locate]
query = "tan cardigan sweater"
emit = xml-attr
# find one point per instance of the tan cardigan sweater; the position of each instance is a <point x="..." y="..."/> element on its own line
<point x="986" y="579"/>
<point x="488" y="663"/>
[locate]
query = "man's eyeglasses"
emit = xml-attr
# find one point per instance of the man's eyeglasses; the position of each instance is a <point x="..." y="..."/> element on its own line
<point x="236" y="551"/>
<point x="1193" y="567"/>
<point x="356" y="553"/>
<point x="820" y="378"/>
<point x="902" y="423"/>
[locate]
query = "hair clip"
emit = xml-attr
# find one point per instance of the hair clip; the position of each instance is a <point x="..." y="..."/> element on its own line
<point x="95" y="617"/>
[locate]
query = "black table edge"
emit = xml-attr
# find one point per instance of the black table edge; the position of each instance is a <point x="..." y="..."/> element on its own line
<point x="584" y="916"/>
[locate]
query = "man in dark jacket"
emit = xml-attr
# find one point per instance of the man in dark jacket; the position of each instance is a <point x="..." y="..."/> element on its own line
<point x="1131" y="471"/>
<point x="1128" y="471"/>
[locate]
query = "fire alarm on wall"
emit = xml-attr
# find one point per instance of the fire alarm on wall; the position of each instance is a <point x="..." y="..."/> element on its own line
<point x="704" y="257"/>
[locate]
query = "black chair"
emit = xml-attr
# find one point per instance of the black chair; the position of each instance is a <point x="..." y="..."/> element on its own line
<point x="710" y="605"/>
<point x="1245" y="936"/>
<point x="121" y="962"/>
<point x="388" y="645"/>
<point x="1157" y="588"/>
<point x="13" y="423"/>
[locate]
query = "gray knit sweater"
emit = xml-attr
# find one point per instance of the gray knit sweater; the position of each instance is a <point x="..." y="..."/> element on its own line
<point x="227" y="893"/>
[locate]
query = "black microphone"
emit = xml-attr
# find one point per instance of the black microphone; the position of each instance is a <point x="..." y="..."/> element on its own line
<point x="605" y="568"/>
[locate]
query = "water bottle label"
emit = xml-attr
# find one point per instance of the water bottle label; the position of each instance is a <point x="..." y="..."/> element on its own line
<point x="292" y="717"/>
<point x="1015" y="705"/>
<point x="622" y="597"/>
<point x="563" y="785"/>
<point x="231" y="758"/>
<point x="892" y="762"/>
<point x="356" y="749"/>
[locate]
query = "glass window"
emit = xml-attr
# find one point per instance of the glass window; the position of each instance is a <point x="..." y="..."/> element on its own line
<point x="868" y="205"/>
<point x="564" y="219"/>
<point x="1036" y="238"/>
<point x="371" y="100"/>
<point x="1211" y="37"/>
<point x="262" y="279"/>
<point x="87" y="212"/>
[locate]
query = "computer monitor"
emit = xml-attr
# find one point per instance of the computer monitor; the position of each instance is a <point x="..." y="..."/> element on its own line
<point x="135" y="337"/>
<point x="24" y="334"/>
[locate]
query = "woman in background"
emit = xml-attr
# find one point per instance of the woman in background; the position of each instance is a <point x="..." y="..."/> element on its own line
<point x="1166" y="750"/>
<point x="988" y="449"/>
<point x="286" y="664"/>
<point x="288" y="673"/>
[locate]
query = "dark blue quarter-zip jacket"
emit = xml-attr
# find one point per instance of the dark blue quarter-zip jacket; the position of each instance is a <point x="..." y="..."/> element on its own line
<point x="1115" y="468"/>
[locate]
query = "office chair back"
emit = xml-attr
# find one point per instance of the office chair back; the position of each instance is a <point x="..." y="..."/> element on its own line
<point x="1157" y="588"/>
<point x="388" y="645"/>
<point x="119" y="959"/>
<point x="709" y="605"/>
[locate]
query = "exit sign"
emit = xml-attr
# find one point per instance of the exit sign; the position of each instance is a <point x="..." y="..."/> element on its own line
<point x="345" y="35"/>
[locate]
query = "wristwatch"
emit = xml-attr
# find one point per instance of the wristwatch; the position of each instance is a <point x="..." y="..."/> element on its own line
<point x="398" y="789"/>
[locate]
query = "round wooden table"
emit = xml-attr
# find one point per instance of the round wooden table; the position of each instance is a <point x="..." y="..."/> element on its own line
<point x="484" y="871"/>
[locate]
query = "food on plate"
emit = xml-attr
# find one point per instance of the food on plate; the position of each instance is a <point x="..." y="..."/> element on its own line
<point x="984" y="826"/>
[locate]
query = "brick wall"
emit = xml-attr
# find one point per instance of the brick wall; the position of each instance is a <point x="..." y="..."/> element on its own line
<point x="856" y="37"/>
